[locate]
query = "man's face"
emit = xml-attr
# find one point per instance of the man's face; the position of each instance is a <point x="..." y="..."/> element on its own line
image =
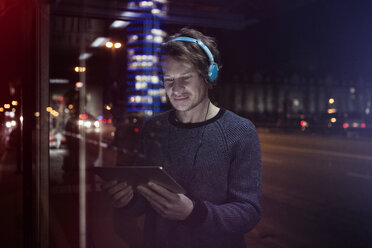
<point x="183" y="85"/>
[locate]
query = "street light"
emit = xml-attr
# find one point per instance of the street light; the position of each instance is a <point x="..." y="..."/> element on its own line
<point x="117" y="45"/>
<point x="80" y="68"/>
<point x="109" y="44"/>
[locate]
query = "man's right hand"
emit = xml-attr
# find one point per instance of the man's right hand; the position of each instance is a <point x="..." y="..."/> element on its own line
<point x="120" y="193"/>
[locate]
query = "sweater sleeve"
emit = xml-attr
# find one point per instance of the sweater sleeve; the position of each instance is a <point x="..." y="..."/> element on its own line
<point x="242" y="210"/>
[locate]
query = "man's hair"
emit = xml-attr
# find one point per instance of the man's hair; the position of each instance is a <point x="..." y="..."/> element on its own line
<point x="192" y="53"/>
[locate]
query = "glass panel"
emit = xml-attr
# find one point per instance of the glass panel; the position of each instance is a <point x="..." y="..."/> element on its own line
<point x="104" y="79"/>
<point x="10" y="174"/>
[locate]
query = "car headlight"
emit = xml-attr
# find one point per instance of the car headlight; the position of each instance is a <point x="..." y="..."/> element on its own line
<point x="87" y="124"/>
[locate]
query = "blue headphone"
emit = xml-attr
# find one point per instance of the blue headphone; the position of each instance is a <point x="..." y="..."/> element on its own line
<point x="213" y="67"/>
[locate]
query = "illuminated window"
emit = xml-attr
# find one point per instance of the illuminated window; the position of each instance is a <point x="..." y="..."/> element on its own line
<point x="144" y="91"/>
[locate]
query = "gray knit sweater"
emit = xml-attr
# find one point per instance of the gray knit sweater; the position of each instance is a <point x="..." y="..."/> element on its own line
<point x="224" y="179"/>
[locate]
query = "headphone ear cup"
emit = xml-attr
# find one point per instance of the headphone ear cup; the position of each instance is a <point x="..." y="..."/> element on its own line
<point x="213" y="72"/>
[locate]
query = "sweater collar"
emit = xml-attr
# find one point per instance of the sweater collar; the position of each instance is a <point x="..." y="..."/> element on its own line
<point x="175" y="122"/>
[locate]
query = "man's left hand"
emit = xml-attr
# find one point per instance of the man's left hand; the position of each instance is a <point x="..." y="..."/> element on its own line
<point x="166" y="203"/>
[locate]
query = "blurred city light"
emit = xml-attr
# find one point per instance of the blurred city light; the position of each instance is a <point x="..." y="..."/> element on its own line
<point x="355" y="124"/>
<point x="85" y="56"/>
<point x="158" y="32"/>
<point x="80" y="68"/>
<point x="345" y="125"/>
<point x="37" y="114"/>
<point x="332" y="111"/>
<point x="49" y="109"/>
<point x="304" y="123"/>
<point x="10" y="124"/>
<point x="14" y="103"/>
<point x="83" y="116"/>
<point x="363" y="125"/>
<point x="331" y="101"/>
<point x="155" y="11"/>
<point x="70" y="106"/>
<point x="99" y="42"/>
<point x="54" y="113"/>
<point x="59" y="81"/>
<point x="132" y="38"/>
<point x="108" y="107"/>
<point x="7" y="106"/>
<point x="333" y="120"/>
<point x="119" y="24"/>
<point x="79" y="84"/>
<point x="87" y="124"/>
<point x="1" y="109"/>
<point x="117" y="45"/>
<point x="109" y="44"/>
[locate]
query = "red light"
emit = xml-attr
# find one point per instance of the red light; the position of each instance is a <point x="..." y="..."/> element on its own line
<point x="345" y="125"/>
<point x="303" y="123"/>
<point x="363" y="125"/>
<point x="109" y="121"/>
<point x="104" y="121"/>
<point x="83" y="116"/>
<point x="136" y="130"/>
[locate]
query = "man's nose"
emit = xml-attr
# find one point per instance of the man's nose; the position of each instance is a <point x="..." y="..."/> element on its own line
<point x="178" y="87"/>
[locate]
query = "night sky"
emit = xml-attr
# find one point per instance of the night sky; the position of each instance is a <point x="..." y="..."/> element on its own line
<point x="319" y="39"/>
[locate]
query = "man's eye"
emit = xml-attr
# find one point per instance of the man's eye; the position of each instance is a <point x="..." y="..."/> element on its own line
<point x="168" y="81"/>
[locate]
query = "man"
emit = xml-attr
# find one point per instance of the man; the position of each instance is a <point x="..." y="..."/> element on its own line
<point x="213" y="153"/>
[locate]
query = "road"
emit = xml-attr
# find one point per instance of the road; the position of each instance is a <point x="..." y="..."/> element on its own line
<point x="317" y="192"/>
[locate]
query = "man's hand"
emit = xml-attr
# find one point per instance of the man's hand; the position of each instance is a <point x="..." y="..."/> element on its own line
<point x="166" y="203"/>
<point x="120" y="193"/>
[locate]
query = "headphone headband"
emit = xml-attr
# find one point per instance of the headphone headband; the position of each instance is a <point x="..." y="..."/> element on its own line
<point x="213" y="67"/>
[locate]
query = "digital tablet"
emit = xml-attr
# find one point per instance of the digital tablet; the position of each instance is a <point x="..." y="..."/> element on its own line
<point x="135" y="175"/>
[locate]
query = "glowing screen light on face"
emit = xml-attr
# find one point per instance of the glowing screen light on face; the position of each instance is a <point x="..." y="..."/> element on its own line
<point x="144" y="37"/>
